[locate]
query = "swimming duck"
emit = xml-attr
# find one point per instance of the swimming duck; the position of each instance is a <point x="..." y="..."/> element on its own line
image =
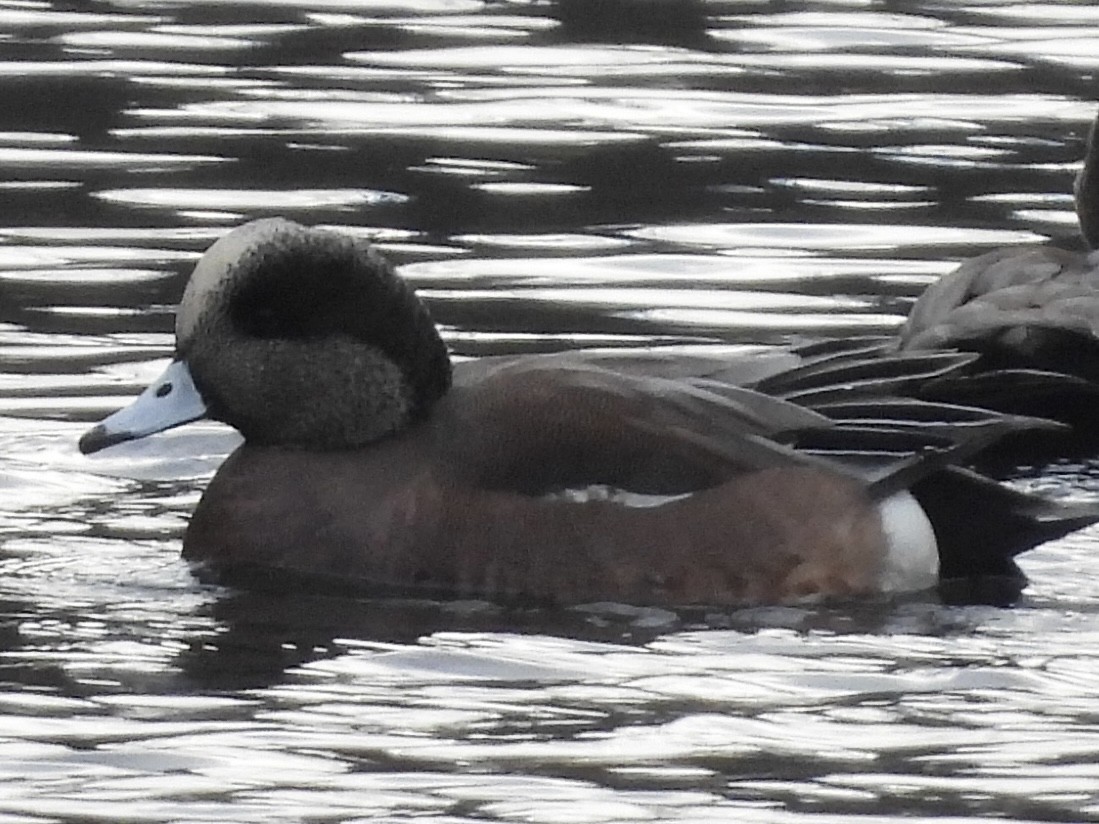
<point x="651" y="476"/>
<point x="1031" y="307"/>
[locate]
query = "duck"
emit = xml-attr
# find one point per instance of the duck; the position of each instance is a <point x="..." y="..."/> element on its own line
<point x="1034" y="307"/>
<point x="374" y="460"/>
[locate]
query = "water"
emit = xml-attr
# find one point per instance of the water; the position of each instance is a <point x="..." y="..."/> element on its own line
<point x="549" y="175"/>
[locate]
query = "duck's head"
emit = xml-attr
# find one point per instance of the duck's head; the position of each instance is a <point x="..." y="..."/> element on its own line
<point x="294" y="336"/>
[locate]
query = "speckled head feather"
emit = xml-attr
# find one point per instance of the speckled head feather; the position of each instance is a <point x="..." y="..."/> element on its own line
<point x="303" y="337"/>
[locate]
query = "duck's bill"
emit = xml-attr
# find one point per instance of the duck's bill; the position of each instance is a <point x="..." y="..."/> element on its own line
<point x="171" y="400"/>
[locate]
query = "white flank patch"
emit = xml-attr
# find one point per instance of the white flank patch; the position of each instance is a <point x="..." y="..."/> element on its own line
<point x="602" y="492"/>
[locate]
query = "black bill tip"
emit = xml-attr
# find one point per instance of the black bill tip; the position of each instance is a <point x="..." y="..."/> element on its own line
<point x="99" y="437"/>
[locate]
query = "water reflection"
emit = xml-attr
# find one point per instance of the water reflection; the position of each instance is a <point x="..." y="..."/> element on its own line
<point x="549" y="175"/>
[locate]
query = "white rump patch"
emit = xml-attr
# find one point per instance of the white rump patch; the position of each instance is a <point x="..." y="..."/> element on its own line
<point x="912" y="556"/>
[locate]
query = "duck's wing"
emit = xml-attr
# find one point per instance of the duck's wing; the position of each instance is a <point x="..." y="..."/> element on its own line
<point x="872" y="361"/>
<point x="537" y="424"/>
<point x="732" y="364"/>
<point x="830" y="373"/>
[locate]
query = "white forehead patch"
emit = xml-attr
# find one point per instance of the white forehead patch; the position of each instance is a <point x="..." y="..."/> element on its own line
<point x="219" y="264"/>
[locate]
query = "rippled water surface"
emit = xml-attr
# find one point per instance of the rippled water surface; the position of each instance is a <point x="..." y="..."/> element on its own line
<point x="549" y="175"/>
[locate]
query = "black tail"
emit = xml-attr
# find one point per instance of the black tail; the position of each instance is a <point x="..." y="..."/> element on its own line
<point x="981" y="525"/>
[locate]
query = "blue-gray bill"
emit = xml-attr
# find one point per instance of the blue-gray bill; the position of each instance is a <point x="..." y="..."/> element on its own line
<point x="171" y="400"/>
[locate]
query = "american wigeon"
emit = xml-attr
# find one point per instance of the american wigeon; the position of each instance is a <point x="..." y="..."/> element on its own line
<point x="642" y="477"/>
<point x="1032" y="306"/>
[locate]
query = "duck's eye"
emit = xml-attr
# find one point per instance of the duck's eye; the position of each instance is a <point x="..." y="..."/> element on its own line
<point x="164" y="389"/>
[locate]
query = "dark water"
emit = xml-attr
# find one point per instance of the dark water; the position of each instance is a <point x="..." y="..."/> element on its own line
<point x="549" y="174"/>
